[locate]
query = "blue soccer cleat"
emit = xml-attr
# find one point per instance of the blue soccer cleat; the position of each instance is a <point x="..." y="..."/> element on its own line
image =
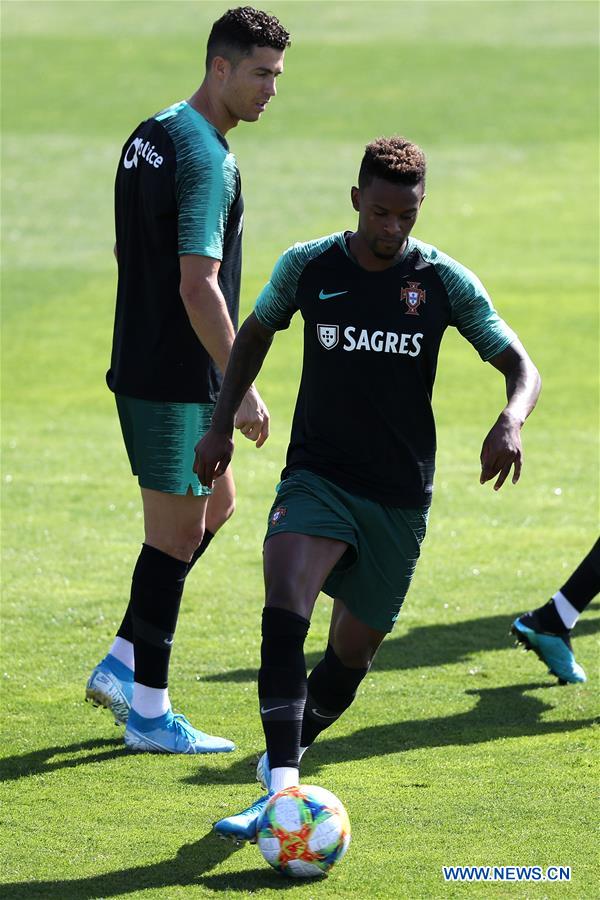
<point x="111" y="685"/>
<point x="263" y="772"/>
<point x="171" y="733"/>
<point x="553" y="649"/>
<point x="243" y="826"/>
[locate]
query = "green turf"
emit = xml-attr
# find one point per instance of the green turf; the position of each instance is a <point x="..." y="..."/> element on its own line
<point x="459" y="750"/>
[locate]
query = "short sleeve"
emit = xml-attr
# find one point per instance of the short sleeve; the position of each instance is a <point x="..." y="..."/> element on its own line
<point x="276" y="303"/>
<point x="206" y="190"/>
<point x="472" y="310"/>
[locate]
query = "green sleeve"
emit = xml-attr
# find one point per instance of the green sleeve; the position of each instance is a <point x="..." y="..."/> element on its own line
<point x="206" y="186"/>
<point x="206" y="180"/>
<point x="276" y="303"/>
<point x="472" y="310"/>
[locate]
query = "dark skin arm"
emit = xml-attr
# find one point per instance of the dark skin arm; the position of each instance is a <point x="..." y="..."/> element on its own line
<point x="215" y="449"/>
<point x="501" y="448"/>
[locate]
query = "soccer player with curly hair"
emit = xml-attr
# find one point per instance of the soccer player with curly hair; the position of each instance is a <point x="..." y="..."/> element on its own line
<point x="351" y="509"/>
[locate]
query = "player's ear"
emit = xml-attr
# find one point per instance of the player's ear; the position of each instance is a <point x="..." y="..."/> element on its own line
<point x="220" y="67"/>
<point x="355" y="195"/>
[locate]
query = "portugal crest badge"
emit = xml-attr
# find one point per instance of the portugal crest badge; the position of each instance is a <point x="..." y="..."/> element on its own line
<point x="413" y="295"/>
<point x="278" y="515"/>
<point x="328" y="335"/>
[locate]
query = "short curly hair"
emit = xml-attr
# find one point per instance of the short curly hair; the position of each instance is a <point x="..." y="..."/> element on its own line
<point x="239" y="30"/>
<point x="396" y="159"/>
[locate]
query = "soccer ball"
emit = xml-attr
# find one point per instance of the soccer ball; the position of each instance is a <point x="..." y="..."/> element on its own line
<point x="303" y="831"/>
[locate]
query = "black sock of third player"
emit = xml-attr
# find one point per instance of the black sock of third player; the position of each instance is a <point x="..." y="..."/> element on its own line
<point x="282" y="684"/>
<point x="583" y="585"/>
<point x="578" y="591"/>
<point x="332" y="687"/>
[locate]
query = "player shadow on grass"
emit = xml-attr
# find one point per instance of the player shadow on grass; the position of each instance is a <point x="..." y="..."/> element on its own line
<point x="41" y="762"/>
<point x="183" y="870"/>
<point x="431" y="645"/>
<point x="500" y="713"/>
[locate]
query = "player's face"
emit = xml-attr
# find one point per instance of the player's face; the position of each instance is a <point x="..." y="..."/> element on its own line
<point x="387" y="213"/>
<point x="249" y="85"/>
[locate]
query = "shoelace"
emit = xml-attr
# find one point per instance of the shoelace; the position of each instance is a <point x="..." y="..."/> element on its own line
<point x="186" y="726"/>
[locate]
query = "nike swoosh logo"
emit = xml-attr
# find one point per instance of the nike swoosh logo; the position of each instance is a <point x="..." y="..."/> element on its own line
<point x="271" y="709"/>
<point x="324" y="296"/>
<point x="167" y="641"/>
<point x="321" y="716"/>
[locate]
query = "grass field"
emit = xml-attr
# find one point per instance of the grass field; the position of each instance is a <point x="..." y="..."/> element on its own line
<point x="459" y="749"/>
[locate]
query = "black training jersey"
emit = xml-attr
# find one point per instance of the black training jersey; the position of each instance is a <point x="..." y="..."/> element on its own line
<point x="177" y="191"/>
<point x="363" y="416"/>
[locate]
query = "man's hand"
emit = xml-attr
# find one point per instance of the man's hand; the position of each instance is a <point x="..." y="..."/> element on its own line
<point x="501" y="450"/>
<point x="252" y="418"/>
<point x="213" y="455"/>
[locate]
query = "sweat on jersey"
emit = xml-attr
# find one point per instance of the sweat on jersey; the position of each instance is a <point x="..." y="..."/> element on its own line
<point x="363" y="416"/>
<point x="177" y="191"/>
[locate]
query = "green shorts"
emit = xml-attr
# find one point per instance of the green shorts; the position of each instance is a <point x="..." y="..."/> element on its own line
<point x="373" y="576"/>
<point x="160" y="439"/>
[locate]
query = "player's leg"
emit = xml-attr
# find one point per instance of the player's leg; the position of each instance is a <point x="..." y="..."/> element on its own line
<point x="220" y="508"/>
<point x="173" y="529"/>
<point x="369" y="596"/>
<point x="333" y="682"/>
<point x="160" y="439"/>
<point x="547" y="629"/>
<point x="173" y="526"/>
<point x="295" y="567"/>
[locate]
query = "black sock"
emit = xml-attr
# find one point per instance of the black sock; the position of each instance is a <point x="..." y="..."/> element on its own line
<point x="579" y="589"/>
<point x="545" y="619"/>
<point x="282" y="684"/>
<point x="583" y="585"/>
<point x="208" y="536"/>
<point x="332" y="687"/>
<point x="126" y="627"/>
<point x="156" y="589"/>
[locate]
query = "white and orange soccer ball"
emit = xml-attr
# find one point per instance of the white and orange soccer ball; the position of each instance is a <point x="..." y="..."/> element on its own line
<point x="303" y="831"/>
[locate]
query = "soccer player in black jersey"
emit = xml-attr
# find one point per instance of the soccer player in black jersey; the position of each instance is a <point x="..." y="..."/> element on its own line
<point x="547" y="629"/>
<point x="179" y="215"/>
<point x="351" y="509"/>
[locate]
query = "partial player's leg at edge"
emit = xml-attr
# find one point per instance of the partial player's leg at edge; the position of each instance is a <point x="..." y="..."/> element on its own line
<point x="547" y="629"/>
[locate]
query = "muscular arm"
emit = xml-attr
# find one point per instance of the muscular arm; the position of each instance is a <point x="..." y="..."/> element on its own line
<point x="210" y="319"/>
<point x="501" y="448"/>
<point x="206" y="307"/>
<point x="214" y="451"/>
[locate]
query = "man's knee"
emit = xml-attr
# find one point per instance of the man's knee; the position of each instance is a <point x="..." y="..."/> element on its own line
<point x="219" y="513"/>
<point x="283" y="593"/>
<point x="354" y="657"/>
<point x="180" y="543"/>
<point x="356" y="651"/>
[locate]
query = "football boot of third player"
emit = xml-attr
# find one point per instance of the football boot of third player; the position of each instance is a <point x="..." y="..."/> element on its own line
<point x="243" y="826"/>
<point x="553" y="649"/>
<point x="171" y="734"/>
<point x="111" y="685"/>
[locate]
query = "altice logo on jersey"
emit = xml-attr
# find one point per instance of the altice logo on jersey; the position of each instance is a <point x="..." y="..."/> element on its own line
<point x="139" y="147"/>
<point x="377" y="341"/>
